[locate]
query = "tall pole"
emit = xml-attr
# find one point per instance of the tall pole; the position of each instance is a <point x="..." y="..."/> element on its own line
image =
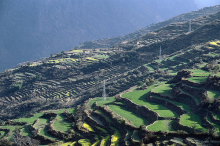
<point x="160" y="54"/>
<point x="103" y="93"/>
<point x="190" y="25"/>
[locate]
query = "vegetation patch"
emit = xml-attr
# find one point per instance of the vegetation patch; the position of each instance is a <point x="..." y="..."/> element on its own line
<point x="182" y="105"/>
<point x="101" y="56"/>
<point x="85" y="142"/>
<point x="25" y="131"/>
<point x="216" y="116"/>
<point x="163" y="89"/>
<point x="101" y="102"/>
<point x="217" y="127"/>
<point x="135" y="136"/>
<point x="105" y="140"/>
<point x="41" y="123"/>
<point x="2" y="134"/>
<point x="29" y="120"/>
<point x="69" y="144"/>
<point x="87" y="126"/>
<point x="135" y="119"/>
<point x="197" y="79"/>
<point x="12" y="128"/>
<point x="96" y="143"/>
<point x="103" y="130"/>
<point x="213" y="94"/>
<point x="216" y="43"/>
<point x="92" y="59"/>
<point x="139" y="97"/>
<point x="192" y="120"/>
<point x="62" y="125"/>
<point x="107" y="118"/>
<point x="43" y="131"/>
<point x="79" y="51"/>
<point x="161" y="125"/>
<point x="115" y="137"/>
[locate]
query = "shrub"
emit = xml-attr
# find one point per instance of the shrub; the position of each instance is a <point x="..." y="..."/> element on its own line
<point x="139" y="83"/>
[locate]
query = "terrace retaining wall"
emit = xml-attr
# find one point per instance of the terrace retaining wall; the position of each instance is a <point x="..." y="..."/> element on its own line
<point x="117" y="121"/>
<point x="194" y="84"/>
<point x="179" y="96"/>
<point x="142" y="111"/>
<point x="199" y="93"/>
<point x="177" y="126"/>
<point x="166" y="104"/>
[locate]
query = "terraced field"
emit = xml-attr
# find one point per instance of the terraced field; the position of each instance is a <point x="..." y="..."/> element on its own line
<point x="164" y="106"/>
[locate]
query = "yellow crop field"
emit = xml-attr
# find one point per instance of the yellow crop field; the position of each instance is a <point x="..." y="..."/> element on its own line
<point x="90" y="58"/>
<point x="216" y="43"/>
<point x="62" y="60"/>
<point x="87" y="126"/>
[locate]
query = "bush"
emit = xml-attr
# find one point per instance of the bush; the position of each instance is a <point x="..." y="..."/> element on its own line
<point x="139" y="83"/>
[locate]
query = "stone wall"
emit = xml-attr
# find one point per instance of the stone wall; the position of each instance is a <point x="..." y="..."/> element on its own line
<point x="142" y="111"/>
<point x="194" y="84"/>
<point x="179" y="96"/>
<point x="117" y="121"/>
<point x="177" y="126"/>
<point x="166" y="104"/>
<point x="199" y="93"/>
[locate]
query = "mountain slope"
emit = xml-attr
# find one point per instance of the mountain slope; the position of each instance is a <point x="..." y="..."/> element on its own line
<point x="66" y="79"/>
<point x="105" y="43"/>
<point x="34" y="29"/>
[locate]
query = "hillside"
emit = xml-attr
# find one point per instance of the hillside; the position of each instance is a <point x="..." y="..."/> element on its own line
<point x="174" y="100"/>
<point x="109" y="42"/>
<point x="33" y="29"/>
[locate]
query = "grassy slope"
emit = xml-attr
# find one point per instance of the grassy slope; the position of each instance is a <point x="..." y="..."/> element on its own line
<point x="162" y="125"/>
<point x="115" y="137"/>
<point x="138" y="97"/>
<point x="182" y="105"/>
<point x="163" y="89"/>
<point x="41" y="123"/>
<point x="191" y="119"/>
<point x="101" y="102"/>
<point x="31" y="119"/>
<point x="85" y="142"/>
<point x="135" y="119"/>
<point x="61" y="125"/>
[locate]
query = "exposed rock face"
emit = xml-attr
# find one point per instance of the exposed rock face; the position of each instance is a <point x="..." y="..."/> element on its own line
<point x="180" y="75"/>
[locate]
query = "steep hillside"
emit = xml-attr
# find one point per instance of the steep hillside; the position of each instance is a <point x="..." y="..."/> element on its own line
<point x="33" y="29"/>
<point x="68" y="78"/>
<point x="174" y="100"/>
<point x="105" y="43"/>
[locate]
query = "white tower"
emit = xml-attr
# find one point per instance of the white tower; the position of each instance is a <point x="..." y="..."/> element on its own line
<point x="103" y="92"/>
<point x="160" y="54"/>
<point x="190" y="25"/>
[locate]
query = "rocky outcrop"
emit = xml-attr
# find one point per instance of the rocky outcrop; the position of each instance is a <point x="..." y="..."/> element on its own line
<point x="181" y="74"/>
